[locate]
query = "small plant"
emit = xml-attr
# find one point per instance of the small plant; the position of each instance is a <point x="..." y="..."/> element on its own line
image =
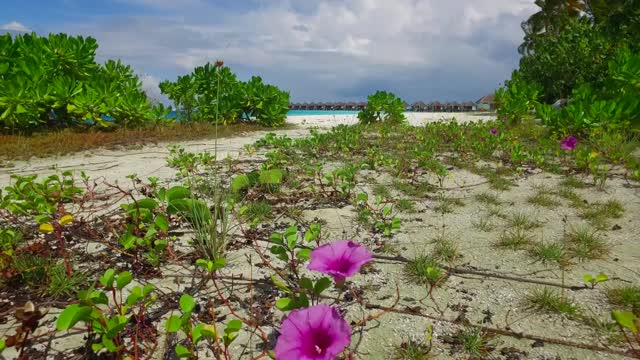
<point x="475" y="342"/>
<point x="496" y="211"/>
<point x="483" y="224"/>
<point x="586" y="244"/>
<point x="543" y="199"/>
<point x="61" y="284"/>
<point x="415" y="350"/>
<point x="522" y="221"/>
<point x="628" y="323"/>
<point x="595" y="280"/>
<point x="599" y="214"/>
<point x="569" y="194"/>
<point x="425" y="270"/>
<point x="195" y="332"/>
<point x="488" y="198"/>
<point x="405" y="206"/>
<point x="446" y="204"/>
<point x="445" y="249"/>
<point x="379" y="214"/>
<point x="550" y="301"/>
<point x="549" y="253"/>
<point x="572" y="182"/>
<point x="516" y="239"/>
<point x="256" y="212"/>
<point x="107" y="319"/>
<point x="626" y="296"/>
<point x="382" y="190"/>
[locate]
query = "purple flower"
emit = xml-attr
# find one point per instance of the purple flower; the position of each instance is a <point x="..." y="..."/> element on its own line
<point x="569" y="143"/>
<point x="314" y="333"/>
<point x="340" y="259"/>
<point x="494" y="131"/>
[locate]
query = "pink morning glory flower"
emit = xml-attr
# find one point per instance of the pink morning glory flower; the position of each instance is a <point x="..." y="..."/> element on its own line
<point x="569" y="143"/>
<point x="314" y="333"/>
<point x="340" y="259"/>
<point x="494" y="131"/>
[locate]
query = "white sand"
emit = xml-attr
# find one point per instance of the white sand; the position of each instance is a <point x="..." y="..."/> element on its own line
<point x="150" y="160"/>
<point x="414" y="118"/>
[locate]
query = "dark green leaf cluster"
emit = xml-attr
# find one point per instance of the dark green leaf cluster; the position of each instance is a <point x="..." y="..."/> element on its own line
<point x="54" y="81"/>
<point x="583" y="51"/>
<point x="383" y="106"/>
<point x="213" y="93"/>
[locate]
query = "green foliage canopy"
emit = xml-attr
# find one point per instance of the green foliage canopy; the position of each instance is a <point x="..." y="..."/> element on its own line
<point x="54" y="81"/>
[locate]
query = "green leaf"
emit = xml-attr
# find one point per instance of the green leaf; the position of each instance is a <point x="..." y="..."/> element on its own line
<point x="601" y="278"/>
<point x="109" y="344"/>
<point x="276" y="238"/>
<point x="233" y="326"/>
<point x="271" y="177"/>
<point x="177" y="192"/>
<point x="304" y="254"/>
<point x="588" y="278"/>
<point x="116" y="324"/>
<point x="124" y="278"/>
<point x="240" y="183"/>
<point x="285" y="304"/>
<point x="182" y="352"/>
<point x="147" y="289"/>
<point x="280" y="252"/>
<point x="173" y="324"/>
<point x="280" y="284"/>
<point x="362" y="197"/>
<point x="71" y="315"/>
<point x="107" y="279"/>
<point x="187" y="304"/>
<point x="42" y="219"/>
<point x="626" y="319"/>
<point x="196" y="333"/>
<point x="306" y="283"/>
<point x="135" y="296"/>
<point x="147" y="203"/>
<point x="162" y="223"/>
<point x="322" y="285"/>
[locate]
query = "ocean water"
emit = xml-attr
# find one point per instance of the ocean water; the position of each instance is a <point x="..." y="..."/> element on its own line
<point x="174" y="114"/>
<point x="320" y="112"/>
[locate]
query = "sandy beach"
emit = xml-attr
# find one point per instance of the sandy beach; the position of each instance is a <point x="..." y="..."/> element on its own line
<point x="150" y="160"/>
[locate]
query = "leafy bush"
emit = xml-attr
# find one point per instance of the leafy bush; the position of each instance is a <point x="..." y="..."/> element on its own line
<point x="383" y="106"/>
<point x="578" y="54"/>
<point x="517" y="98"/>
<point x="54" y="81"/>
<point x="213" y="93"/>
<point x="584" y="52"/>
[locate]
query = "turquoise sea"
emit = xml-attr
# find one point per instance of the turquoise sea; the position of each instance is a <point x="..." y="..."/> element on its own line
<point x="173" y="114"/>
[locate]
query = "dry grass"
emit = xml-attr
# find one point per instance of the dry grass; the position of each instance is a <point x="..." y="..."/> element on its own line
<point x="67" y="141"/>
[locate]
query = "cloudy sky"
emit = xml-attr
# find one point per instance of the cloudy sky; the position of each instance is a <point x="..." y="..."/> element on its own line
<point x="319" y="50"/>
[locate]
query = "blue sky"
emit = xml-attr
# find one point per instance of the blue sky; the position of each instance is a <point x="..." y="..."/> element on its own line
<point x="322" y="50"/>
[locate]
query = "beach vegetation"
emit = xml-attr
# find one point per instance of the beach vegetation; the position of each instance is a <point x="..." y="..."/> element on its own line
<point x="384" y="107"/>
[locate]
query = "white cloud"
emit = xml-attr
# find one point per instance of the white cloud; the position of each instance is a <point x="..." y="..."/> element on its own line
<point x="333" y="49"/>
<point x="150" y="85"/>
<point x="15" y="27"/>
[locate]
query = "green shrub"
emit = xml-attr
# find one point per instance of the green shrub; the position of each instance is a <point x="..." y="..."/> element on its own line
<point x="383" y="106"/>
<point x="54" y="81"/>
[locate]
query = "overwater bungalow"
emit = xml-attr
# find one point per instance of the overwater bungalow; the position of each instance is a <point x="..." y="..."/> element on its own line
<point x="468" y="106"/>
<point x="486" y="103"/>
<point x="419" y="106"/>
